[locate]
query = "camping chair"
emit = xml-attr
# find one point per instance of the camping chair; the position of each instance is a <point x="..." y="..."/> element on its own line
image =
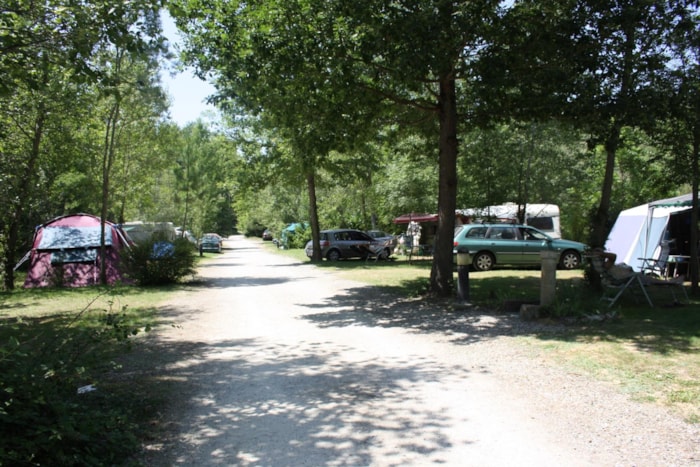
<point x="614" y="287"/>
<point x="674" y="285"/>
<point x="656" y="273"/>
<point x="658" y="267"/>
<point x="375" y="251"/>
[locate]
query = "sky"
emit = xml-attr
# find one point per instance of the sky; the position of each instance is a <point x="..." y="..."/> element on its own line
<point x="187" y="92"/>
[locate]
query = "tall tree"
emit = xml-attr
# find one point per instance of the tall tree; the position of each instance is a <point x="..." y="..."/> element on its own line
<point x="320" y="68"/>
<point x="598" y="63"/>
<point x="269" y="63"/>
<point x="682" y="133"/>
<point x="47" y="43"/>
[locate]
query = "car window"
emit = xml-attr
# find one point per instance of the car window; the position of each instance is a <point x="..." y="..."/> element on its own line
<point x="476" y="232"/>
<point x="503" y="233"/>
<point x="532" y="234"/>
<point x="359" y="236"/>
<point x="377" y="234"/>
<point x="324" y="236"/>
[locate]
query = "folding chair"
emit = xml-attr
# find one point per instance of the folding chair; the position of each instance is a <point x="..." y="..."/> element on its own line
<point x="616" y="286"/>
<point x="674" y="285"/>
<point x="658" y="266"/>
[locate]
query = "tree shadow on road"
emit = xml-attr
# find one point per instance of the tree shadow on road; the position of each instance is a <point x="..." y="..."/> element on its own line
<point x="373" y="306"/>
<point x="249" y="402"/>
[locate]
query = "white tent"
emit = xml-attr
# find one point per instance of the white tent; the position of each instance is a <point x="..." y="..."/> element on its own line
<point x="638" y="231"/>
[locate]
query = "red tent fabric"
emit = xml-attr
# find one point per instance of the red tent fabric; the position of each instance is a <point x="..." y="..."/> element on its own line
<point x="66" y="252"/>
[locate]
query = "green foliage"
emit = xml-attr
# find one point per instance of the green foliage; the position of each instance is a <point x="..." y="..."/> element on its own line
<point x="157" y="262"/>
<point x="297" y="238"/>
<point x="44" y="420"/>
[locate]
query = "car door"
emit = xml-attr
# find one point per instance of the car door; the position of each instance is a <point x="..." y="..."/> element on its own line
<point x="342" y="243"/>
<point x="503" y="242"/>
<point x="360" y="243"/>
<point x="533" y="242"/>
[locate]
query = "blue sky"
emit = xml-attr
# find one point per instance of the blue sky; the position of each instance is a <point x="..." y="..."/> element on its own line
<point x="187" y="92"/>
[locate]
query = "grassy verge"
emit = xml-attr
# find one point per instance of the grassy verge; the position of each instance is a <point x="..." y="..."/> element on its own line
<point x="653" y="354"/>
<point x="64" y="399"/>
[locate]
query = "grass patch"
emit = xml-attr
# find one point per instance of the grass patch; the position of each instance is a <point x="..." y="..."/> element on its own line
<point x="55" y="341"/>
<point x="651" y="354"/>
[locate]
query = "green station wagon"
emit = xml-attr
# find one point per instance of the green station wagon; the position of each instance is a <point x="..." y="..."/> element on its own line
<point x="516" y="245"/>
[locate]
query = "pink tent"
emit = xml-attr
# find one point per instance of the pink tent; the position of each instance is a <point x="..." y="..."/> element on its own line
<point x="66" y="252"/>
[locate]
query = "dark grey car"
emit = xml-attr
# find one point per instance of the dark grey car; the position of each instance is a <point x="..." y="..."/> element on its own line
<point x="348" y="243"/>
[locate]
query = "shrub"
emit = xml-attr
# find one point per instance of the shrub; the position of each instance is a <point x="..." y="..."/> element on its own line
<point x="158" y="262"/>
<point x="44" y="420"/>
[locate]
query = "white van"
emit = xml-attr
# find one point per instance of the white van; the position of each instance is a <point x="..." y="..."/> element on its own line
<point x="544" y="217"/>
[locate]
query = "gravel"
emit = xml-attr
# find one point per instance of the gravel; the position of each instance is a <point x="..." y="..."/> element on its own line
<point x="277" y="363"/>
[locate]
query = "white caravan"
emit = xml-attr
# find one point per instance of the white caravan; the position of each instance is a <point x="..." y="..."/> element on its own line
<point x="544" y="217"/>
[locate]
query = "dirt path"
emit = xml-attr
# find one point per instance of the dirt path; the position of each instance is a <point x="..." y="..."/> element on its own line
<point x="284" y="364"/>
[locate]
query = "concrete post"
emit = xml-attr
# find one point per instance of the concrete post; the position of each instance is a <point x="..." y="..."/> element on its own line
<point x="548" y="282"/>
<point x="463" y="264"/>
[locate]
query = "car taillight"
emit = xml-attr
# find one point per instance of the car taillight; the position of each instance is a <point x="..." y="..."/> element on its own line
<point x="324" y="243"/>
<point x="455" y="243"/>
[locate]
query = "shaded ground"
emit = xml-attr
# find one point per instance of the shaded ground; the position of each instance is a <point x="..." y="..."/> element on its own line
<point x="277" y="363"/>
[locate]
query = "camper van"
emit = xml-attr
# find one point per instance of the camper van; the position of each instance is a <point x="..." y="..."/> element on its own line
<point x="544" y="217"/>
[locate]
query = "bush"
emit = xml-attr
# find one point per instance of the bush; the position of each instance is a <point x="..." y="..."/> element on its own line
<point x="44" y="419"/>
<point x="158" y="262"/>
<point x="296" y="238"/>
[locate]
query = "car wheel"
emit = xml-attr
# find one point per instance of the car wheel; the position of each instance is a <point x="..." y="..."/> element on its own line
<point x="570" y="260"/>
<point x="333" y="255"/>
<point x="384" y="254"/>
<point x="483" y="261"/>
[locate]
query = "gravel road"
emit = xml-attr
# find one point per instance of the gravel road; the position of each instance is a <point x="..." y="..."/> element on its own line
<point x="284" y="364"/>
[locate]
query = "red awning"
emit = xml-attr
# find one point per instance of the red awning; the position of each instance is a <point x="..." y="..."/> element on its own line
<point x="416" y="217"/>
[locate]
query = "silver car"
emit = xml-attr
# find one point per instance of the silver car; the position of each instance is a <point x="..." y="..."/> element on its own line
<point x="348" y="243"/>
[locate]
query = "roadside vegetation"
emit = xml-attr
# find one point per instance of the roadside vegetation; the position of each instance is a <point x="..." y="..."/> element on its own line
<point x="63" y="397"/>
<point x="66" y="397"/>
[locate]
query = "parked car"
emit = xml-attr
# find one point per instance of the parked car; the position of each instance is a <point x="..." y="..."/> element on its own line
<point x="210" y="242"/>
<point x="267" y="235"/>
<point x="348" y="243"/>
<point x="517" y="245"/>
<point x="383" y="237"/>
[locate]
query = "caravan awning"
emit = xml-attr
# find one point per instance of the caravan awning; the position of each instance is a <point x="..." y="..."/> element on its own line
<point x="460" y="218"/>
<point x="416" y="217"/>
<point x="677" y="201"/>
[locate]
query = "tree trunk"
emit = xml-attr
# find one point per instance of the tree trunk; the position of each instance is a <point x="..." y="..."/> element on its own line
<point x="22" y="192"/>
<point x="313" y="215"/>
<point x="600" y="221"/>
<point x="108" y="159"/>
<point x="694" y="214"/>
<point x="441" y="274"/>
